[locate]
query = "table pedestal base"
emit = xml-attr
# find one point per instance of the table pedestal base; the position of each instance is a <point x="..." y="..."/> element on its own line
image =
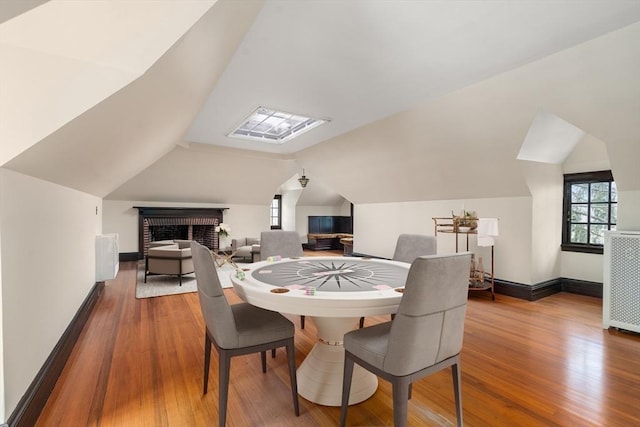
<point x="320" y="374"/>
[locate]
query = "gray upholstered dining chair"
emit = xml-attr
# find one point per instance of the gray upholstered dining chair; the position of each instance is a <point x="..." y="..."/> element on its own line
<point x="237" y="330"/>
<point x="284" y="243"/>
<point x="424" y="337"/>
<point x="410" y="247"/>
<point x="277" y="242"/>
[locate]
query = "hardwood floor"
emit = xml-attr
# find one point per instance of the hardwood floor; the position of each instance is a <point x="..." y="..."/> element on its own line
<point x="543" y="363"/>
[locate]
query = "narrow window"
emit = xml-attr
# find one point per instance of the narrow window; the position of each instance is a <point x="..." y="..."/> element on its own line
<point x="276" y="212"/>
<point x="590" y="208"/>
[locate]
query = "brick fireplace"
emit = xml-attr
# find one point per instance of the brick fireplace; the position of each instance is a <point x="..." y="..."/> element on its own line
<point x="177" y="223"/>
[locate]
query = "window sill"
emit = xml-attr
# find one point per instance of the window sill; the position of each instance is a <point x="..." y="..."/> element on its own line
<point x="587" y="249"/>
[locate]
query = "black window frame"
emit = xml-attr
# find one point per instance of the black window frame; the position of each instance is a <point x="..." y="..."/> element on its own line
<point x="583" y="178"/>
<point x="278" y="198"/>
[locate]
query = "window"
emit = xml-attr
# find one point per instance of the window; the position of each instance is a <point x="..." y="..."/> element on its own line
<point x="276" y="212"/>
<point x="590" y="208"/>
<point x="275" y="127"/>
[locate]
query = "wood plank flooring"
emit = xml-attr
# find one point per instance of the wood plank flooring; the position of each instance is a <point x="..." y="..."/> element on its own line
<point x="543" y="363"/>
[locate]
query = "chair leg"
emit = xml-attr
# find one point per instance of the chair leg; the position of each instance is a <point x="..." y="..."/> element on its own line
<point x="301" y="322"/>
<point x="263" y="359"/>
<point x="346" y="388"/>
<point x="457" y="391"/>
<point x="207" y="361"/>
<point x="361" y="322"/>
<point x="400" y="401"/>
<point x="146" y="268"/>
<point x="223" y="386"/>
<point x="291" y="356"/>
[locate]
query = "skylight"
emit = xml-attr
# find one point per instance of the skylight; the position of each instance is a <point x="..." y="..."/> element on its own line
<point x="275" y="127"/>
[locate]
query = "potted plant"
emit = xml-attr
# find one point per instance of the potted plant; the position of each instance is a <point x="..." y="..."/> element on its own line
<point x="467" y="222"/>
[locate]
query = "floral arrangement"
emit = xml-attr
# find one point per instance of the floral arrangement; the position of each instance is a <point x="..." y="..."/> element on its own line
<point x="467" y="219"/>
<point x="223" y="229"/>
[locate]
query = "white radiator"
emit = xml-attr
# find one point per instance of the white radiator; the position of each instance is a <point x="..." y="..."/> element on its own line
<point x="107" y="264"/>
<point x="621" y="285"/>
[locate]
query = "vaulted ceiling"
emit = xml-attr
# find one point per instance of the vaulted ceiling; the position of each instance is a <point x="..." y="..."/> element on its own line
<point x="426" y="100"/>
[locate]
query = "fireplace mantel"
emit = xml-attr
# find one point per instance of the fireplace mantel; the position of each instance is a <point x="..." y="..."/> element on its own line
<point x="147" y="213"/>
<point x="151" y="211"/>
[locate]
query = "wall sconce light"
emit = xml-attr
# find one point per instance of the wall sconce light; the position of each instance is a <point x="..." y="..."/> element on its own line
<point x="303" y="180"/>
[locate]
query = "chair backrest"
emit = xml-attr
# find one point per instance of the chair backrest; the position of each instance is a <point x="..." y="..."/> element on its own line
<point x="429" y="324"/>
<point x="411" y="246"/>
<point x="278" y="242"/>
<point x="215" y="308"/>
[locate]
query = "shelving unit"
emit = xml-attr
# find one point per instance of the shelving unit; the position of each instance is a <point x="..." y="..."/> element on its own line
<point x="451" y="225"/>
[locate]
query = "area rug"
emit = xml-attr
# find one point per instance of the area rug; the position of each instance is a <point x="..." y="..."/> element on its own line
<point x="160" y="285"/>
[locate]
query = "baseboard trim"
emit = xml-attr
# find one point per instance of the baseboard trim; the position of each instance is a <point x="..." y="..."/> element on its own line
<point x="128" y="256"/>
<point x="537" y="291"/>
<point x="33" y="401"/>
<point x="581" y="287"/>
<point x="527" y="292"/>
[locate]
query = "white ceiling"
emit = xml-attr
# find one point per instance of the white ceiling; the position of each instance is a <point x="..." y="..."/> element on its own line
<point x="422" y="97"/>
<point x="358" y="61"/>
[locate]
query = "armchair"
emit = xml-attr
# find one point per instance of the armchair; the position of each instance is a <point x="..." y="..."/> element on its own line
<point x="171" y="259"/>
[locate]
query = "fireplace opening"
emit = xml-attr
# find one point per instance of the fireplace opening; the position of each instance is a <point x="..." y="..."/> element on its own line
<point x="169" y="223"/>
<point x="168" y="232"/>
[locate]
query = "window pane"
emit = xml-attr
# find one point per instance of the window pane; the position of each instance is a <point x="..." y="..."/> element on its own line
<point x="579" y="193"/>
<point x="614" y="213"/>
<point x="579" y="213"/>
<point x="600" y="192"/>
<point x="599" y="214"/>
<point x="614" y="192"/>
<point x="597" y="234"/>
<point x="578" y="233"/>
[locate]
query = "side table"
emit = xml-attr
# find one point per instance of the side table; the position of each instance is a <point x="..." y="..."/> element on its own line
<point x="225" y="256"/>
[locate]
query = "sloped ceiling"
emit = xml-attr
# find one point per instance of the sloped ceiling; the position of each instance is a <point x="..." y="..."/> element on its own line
<point x="12" y="8"/>
<point x="465" y="144"/>
<point x="428" y="100"/>
<point x="81" y="53"/>
<point x="131" y="129"/>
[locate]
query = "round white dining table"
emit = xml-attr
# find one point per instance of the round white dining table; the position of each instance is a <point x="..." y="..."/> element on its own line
<point x="335" y="292"/>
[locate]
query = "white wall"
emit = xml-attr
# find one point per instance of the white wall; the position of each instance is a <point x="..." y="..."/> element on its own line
<point x="288" y="215"/>
<point x="2" y="399"/>
<point x="545" y="182"/>
<point x="121" y="217"/>
<point x="629" y="210"/>
<point x="581" y="266"/>
<point x="377" y="226"/>
<point x="48" y="268"/>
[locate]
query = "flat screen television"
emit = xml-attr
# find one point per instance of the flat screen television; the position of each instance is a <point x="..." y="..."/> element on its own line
<point x="327" y="224"/>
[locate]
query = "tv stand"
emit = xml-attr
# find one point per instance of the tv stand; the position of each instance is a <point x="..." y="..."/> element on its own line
<point x="325" y="241"/>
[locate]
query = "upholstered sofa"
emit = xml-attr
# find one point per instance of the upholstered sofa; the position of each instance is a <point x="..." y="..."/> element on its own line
<point x="170" y="257"/>
<point x="246" y="247"/>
